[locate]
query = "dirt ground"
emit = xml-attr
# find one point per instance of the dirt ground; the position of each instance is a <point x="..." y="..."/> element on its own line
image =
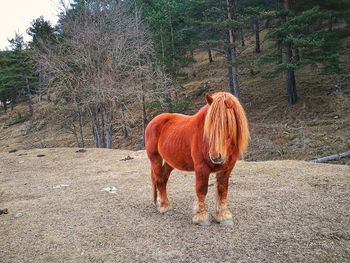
<point x="283" y="211"/>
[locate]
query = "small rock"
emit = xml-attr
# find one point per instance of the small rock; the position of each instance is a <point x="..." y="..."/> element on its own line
<point x="19" y="214"/>
<point x="40" y="155"/>
<point x="60" y="186"/>
<point x="12" y="151"/>
<point x="127" y="158"/>
<point x="4" y="211"/>
<point x="110" y="189"/>
<point x="80" y="151"/>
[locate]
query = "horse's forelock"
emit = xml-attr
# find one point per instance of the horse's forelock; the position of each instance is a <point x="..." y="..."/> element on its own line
<point x="220" y="122"/>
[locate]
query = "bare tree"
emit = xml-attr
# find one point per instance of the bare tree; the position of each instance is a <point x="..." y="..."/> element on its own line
<point x="102" y="62"/>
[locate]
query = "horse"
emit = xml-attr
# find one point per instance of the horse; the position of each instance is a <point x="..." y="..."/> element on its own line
<point x="209" y="141"/>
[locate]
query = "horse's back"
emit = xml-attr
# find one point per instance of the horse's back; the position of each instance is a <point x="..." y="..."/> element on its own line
<point x="155" y="127"/>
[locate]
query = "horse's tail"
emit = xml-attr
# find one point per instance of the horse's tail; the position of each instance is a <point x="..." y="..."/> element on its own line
<point x="243" y="134"/>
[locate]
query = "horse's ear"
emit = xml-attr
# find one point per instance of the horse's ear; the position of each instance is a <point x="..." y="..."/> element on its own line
<point x="229" y="103"/>
<point x="209" y="99"/>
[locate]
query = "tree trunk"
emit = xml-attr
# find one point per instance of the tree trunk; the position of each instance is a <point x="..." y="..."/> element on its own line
<point x="144" y="119"/>
<point x="124" y="128"/>
<point x="172" y="40"/>
<point x="96" y="129"/>
<point x="334" y="157"/>
<point x="330" y="24"/>
<point x="122" y="109"/>
<point x="210" y="55"/>
<point x="96" y="135"/>
<point x="29" y="94"/>
<point x="162" y="44"/>
<point x="108" y="128"/>
<point x="286" y="5"/>
<point x="41" y="81"/>
<point x="102" y="128"/>
<point x="257" y="34"/>
<point x="232" y="74"/>
<point x="296" y="55"/>
<point x="290" y="76"/>
<point x="242" y="36"/>
<point x="231" y="55"/>
<point x="81" y="142"/>
<point x="287" y="59"/>
<point x="278" y="5"/>
<point x="4" y="105"/>
<point x="291" y="87"/>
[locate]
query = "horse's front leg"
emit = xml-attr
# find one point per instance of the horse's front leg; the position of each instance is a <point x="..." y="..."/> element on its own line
<point x="201" y="216"/>
<point x="223" y="214"/>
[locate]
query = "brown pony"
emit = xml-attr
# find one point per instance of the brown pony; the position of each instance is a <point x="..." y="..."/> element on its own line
<point x="209" y="141"/>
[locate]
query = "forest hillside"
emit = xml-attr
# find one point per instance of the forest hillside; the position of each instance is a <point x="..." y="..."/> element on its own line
<point x="286" y="60"/>
<point x="318" y="125"/>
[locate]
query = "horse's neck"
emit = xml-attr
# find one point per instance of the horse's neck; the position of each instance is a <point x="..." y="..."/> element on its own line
<point x="200" y="115"/>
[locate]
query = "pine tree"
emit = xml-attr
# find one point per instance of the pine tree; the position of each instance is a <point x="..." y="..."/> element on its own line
<point x="305" y="40"/>
<point x="43" y="34"/>
<point x="41" y="30"/>
<point x="171" y="29"/>
<point x="17" y="75"/>
<point x="9" y="81"/>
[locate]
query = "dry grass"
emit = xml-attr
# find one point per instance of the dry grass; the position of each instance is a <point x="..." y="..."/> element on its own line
<point x="283" y="211"/>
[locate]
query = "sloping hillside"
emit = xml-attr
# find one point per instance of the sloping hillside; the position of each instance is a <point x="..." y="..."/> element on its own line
<point x="318" y="125"/>
<point x="283" y="211"/>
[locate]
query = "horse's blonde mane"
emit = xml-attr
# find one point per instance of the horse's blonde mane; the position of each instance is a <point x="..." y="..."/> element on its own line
<point x="226" y="122"/>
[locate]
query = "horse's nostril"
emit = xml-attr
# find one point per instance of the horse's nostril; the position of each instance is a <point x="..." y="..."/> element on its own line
<point x="217" y="159"/>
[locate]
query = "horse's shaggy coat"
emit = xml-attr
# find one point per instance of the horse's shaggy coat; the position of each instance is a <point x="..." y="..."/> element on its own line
<point x="209" y="141"/>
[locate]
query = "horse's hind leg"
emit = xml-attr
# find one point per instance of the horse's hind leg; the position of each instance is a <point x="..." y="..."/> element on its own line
<point x="160" y="175"/>
<point x="154" y="188"/>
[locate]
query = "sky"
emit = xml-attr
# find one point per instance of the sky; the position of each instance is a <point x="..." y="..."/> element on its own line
<point x="16" y="16"/>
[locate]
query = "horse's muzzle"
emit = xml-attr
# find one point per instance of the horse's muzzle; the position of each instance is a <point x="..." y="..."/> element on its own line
<point x="217" y="160"/>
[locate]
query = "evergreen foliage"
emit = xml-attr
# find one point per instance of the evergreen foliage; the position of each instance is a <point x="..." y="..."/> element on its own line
<point x="17" y="75"/>
<point x="306" y="33"/>
<point x="41" y="30"/>
<point x="305" y="30"/>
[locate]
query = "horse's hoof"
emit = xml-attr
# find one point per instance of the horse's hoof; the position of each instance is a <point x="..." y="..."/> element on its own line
<point x="226" y="223"/>
<point x="165" y="209"/>
<point x="201" y="219"/>
<point x="224" y="218"/>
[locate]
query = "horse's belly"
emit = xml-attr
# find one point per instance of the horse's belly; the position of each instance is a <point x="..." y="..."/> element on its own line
<point x="176" y="154"/>
<point x="180" y="164"/>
